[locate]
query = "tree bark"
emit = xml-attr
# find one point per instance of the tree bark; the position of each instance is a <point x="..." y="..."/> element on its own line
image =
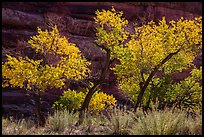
<point x="96" y="85"/>
<point x="86" y="103"/>
<point x="40" y="117"/>
<point x="35" y="93"/>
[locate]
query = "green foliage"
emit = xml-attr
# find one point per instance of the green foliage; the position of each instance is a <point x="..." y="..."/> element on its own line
<point x="146" y="48"/>
<point x="189" y="91"/>
<point x="72" y="100"/>
<point x="186" y="94"/>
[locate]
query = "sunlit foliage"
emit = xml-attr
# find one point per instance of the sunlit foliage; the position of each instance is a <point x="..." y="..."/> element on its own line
<point x="141" y="52"/>
<point x="150" y="45"/>
<point x="71" y="65"/>
<point x="110" y="29"/>
<point x="72" y="100"/>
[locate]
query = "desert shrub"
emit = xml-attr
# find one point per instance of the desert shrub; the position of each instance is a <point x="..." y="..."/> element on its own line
<point x="192" y="126"/>
<point x="167" y="122"/>
<point x="116" y="121"/>
<point x="119" y="122"/>
<point x="16" y="127"/>
<point x="61" y="119"/>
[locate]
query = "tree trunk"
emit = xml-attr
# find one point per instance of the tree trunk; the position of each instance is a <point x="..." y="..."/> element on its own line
<point x="96" y="85"/>
<point x="40" y="117"/>
<point x="86" y="103"/>
<point x="144" y="87"/>
<point x="37" y="97"/>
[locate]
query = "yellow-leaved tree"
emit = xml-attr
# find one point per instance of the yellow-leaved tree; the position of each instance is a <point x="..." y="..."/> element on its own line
<point x="110" y="34"/>
<point x="164" y="46"/>
<point x="167" y="47"/>
<point x="37" y="75"/>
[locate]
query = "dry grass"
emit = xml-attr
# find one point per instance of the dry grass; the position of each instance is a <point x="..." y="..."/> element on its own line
<point x="160" y="123"/>
<point x="120" y="122"/>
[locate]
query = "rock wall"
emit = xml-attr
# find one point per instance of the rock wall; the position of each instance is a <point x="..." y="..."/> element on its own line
<point x="75" y="21"/>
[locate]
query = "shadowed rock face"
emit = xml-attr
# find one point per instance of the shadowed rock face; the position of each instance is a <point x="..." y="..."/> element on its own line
<point x="75" y="20"/>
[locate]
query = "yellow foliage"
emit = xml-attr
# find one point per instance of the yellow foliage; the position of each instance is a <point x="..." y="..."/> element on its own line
<point x="16" y="71"/>
<point x="148" y="46"/>
<point x="152" y="43"/>
<point x="51" y="42"/>
<point x="101" y="101"/>
<point x="111" y="30"/>
<point x="72" y="65"/>
<point x="72" y="100"/>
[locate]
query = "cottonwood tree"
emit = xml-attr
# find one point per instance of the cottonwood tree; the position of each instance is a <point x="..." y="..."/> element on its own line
<point x="110" y="34"/>
<point x="37" y="75"/>
<point x="167" y="47"/>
